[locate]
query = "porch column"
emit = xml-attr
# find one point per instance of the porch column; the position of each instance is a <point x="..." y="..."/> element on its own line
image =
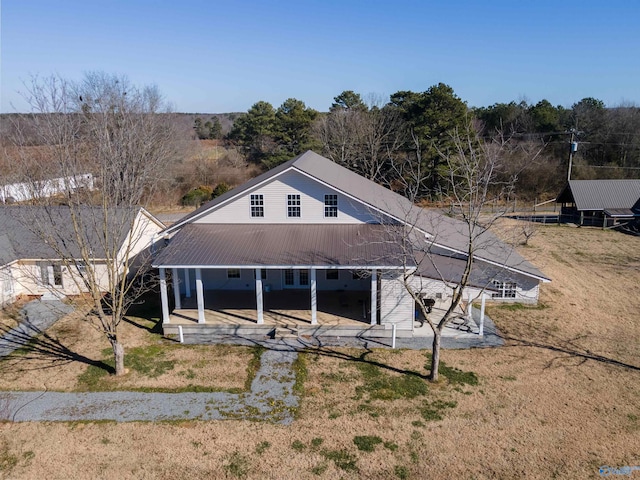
<point x="187" y="283"/>
<point x="164" y="298"/>
<point x="259" y="296"/>
<point x="200" y="295"/>
<point x="314" y="299"/>
<point x="482" y="305"/>
<point x="374" y="297"/>
<point x="176" y="287"/>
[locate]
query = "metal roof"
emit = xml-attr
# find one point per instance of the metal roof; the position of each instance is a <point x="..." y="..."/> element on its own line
<point x="300" y="245"/>
<point x="599" y="195"/>
<point x="445" y="231"/>
<point x="449" y="268"/>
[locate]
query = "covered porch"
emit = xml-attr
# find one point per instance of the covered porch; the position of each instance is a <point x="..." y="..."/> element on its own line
<point x="341" y="296"/>
<point x="284" y="308"/>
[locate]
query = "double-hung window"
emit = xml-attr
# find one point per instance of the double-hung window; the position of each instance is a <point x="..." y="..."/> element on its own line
<point x="331" y="205"/>
<point x="293" y="205"/>
<point x="257" y="205"/>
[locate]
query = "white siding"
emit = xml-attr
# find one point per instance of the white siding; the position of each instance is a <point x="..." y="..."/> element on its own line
<point x="27" y="280"/>
<point x="396" y="304"/>
<point x="7" y="286"/>
<point x="216" y="279"/>
<point x="527" y="290"/>
<point x="275" y="204"/>
<point x="140" y="238"/>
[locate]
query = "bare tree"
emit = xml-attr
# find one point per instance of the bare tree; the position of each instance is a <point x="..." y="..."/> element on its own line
<point x="123" y="136"/>
<point x="476" y="177"/>
<point x="363" y="138"/>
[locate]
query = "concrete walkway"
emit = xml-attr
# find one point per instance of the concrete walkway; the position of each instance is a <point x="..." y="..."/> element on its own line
<point x="271" y="399"/>
<point x="37" y="316"/>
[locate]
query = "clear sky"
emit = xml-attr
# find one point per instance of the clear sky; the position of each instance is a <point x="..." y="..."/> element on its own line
<point x="223" y="56"/>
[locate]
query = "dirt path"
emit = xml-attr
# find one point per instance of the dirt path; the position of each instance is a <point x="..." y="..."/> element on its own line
<point x="271" y="398"/>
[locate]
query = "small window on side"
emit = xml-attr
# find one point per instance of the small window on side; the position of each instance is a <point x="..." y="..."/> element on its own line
<point x="332" y="274"/>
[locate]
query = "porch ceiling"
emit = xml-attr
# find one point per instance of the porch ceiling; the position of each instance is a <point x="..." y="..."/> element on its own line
<point x="349" y="245"/>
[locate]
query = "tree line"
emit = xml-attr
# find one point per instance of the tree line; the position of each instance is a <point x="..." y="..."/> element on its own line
<point x="401" y="141"/>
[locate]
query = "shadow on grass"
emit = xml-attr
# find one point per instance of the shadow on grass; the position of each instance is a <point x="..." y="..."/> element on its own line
<point x="34" y="344"/>
<point x="570" y="347"/>
<point x="147" y="308"/>
<point x="324" y="350"/>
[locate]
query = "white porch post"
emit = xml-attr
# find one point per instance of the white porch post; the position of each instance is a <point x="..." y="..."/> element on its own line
<point x="314" y="299"/>
<point x="481" y="326"/>
<point x="176" y="287"/>
<point x="259" y="303"/>
<point x="200" y="295"/>
<point x="163" y="296"/>
<point x="374" y="297"/>
<point x="187" y="283"/>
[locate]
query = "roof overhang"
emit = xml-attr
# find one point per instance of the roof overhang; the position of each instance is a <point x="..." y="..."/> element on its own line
<point x="341" y="246"/>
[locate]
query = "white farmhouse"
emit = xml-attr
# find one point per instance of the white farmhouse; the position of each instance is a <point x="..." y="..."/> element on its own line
<point x="312" y="243"/>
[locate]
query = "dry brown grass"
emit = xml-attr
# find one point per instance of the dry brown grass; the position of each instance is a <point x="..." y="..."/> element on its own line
<point x="10" y="314"/>
<point x="73" y="355"/>
<point x="560" y="400"/>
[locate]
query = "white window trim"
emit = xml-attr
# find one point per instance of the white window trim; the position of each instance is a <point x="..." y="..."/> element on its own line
<point x="330" y="207"/>
<point x="258" y="206"/>
<point x="504" y="289"/>
<point x="294" y="202"/>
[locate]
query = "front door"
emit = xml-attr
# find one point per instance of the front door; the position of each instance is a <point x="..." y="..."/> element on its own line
<point x="295" y="278"/>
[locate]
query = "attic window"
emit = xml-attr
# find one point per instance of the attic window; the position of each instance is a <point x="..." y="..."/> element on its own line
<point x="331" y="205"/>
<point x="293" y="205"/>
<point x="257" y="205"/>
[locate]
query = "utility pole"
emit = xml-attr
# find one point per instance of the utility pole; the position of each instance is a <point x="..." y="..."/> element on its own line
<point x="573" y="149"/>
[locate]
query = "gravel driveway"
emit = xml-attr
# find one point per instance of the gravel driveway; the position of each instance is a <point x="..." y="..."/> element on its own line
<point x="271" y="398"/>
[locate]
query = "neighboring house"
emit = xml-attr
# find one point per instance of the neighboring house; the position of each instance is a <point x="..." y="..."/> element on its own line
<point x="39" y="254"/>
<point x="600" y="202"/>
<point x="312" y="231"/>
<point x="22" y="192"/>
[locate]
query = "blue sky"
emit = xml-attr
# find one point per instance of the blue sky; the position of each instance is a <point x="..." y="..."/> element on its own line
<point x="213" y="57"/>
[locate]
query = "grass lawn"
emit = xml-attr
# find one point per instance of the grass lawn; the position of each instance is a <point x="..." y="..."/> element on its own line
<point x="561" y="399"/>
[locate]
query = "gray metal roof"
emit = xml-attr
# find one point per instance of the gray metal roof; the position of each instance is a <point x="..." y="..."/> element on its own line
<point x="599" y="195"/>
<point x="30" y="232"/>
<point x="442" y="265"/>
<point x="445" y="231"/>
<point x="300" y="245"/>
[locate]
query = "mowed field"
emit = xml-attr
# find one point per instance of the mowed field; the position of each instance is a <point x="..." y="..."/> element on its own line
<point x="560" y="400"/>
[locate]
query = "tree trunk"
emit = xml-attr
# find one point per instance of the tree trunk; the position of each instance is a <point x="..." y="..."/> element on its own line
<point x="118" y="355"/>
<point x="435" y="356"/>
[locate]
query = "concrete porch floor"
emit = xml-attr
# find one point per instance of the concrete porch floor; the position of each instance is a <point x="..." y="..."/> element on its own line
<point x="291" y="309"/>
<point x="281" y="308"/>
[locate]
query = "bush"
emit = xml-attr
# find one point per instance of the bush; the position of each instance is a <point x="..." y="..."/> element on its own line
<point x="197" y="196"/>
<point x="221" y="188"/>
